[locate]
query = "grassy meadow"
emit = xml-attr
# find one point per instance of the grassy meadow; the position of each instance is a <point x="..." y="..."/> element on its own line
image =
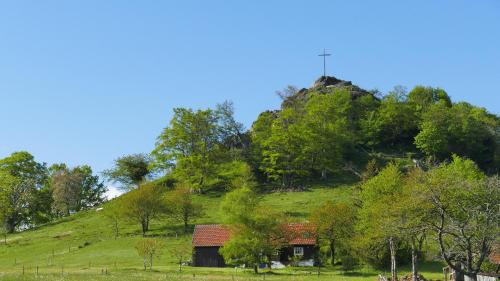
<point x="83" y="247"/>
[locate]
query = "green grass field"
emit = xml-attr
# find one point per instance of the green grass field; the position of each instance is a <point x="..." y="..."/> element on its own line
<point x="429" y="270"/>
<point x="82" y="247"/>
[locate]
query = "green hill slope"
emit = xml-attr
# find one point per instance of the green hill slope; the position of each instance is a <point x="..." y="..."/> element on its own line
<point x="88" y="237"/>
<point x="83" y="247"/>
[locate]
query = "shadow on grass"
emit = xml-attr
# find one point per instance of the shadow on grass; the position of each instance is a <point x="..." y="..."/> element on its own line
<point x="358" y="274"/>
<point x="296" y="214"/>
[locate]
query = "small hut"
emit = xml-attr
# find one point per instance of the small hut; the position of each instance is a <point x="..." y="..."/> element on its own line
<point x="209" y="238"/>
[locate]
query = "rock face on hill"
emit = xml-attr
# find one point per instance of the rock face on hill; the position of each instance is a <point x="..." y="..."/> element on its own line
<point x="325" y="84"/>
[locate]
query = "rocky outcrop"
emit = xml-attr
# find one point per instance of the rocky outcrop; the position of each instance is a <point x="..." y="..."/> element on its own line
<point x="325" y="84"/>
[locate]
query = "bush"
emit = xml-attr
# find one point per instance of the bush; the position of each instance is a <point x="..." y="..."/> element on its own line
<point x="376" y="253"/>
<point x="349" y="263"/>
<point x="85" y="244"/>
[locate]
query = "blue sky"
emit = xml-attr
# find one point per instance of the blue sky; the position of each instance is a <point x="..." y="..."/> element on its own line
<point x="84" y="82"/>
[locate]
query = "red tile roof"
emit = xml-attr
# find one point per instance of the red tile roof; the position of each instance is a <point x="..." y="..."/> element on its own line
<point x="215" y="235"/>
<point x="301" y="233"/>
<point x="210" y="235"/>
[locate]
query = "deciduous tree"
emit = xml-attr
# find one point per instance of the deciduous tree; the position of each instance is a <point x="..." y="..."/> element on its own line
<point x="190" y="146"/>
<point x="256" y="232"/>
<point x="326" y="128"/>
<point x="75" y="189"/>
<point x="149" y="248"/>
<point x="335" y="224"/>
<point x="114" y="213"/>
<point x="380" y="217"/>
<point x="461" y="129"/>
<point x="283" y="157"/>
<point x="130" y="170"/>
<point x="21" y="179"/>
<point x="394" y="123"/>
<point x="182" y="207"/>
<point x="143" y="204"/>
<point x="465" y="213"/>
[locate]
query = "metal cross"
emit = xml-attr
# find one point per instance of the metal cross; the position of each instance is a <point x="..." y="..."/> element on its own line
<point x="324" y="55"/>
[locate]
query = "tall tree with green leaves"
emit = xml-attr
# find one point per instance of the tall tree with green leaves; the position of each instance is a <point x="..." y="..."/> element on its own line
<point x="260" y="132"/>
<point x="394" y="123"/>
<point x="335" y="224"/>
<point x="182" y="207"/>
<point x="461" y="129"/>
<point x="130" y="170"/>
<point x="327" y="130"/>
<point x="144" y="204"/>
<point x="75" y="189"/>
<point x="422" y="97"/>
<point x="66" y="188"/>
<point x="190" y="146"/>
<point x="114" y="213"/>
<point x="256" y="231"/>
<point x="380" y="217"/>
<point x="236" y="174"/>
<point x="22" y="180"/>
<point x="464" y="214"/>
<point x="283" y="157"/>
<point x="415" y="211"/>
<point x="231" y="132"/>
<point x="7" y="184"/>
<point x="197" y="143"/>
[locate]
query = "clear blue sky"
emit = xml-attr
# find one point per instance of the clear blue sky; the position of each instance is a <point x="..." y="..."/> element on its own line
<point x="84" y="82"/>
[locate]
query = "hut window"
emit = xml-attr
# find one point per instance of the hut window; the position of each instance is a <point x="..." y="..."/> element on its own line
<point x="298" y="251"/>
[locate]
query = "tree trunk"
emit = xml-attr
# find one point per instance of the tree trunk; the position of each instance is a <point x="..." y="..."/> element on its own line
<point x="10" y="225"/>
<point x="144" y="262"/>
<point x="145" y="227"/>
<point x="269" y="263"/>
<point x="392" y="248"/>
<point x="323" y="174"/>
<point x="256" y="268"/>
<point x="150" y="262"/>
<point x="332" y="251"/>
<point x="185" y="226"/>
<point x="414" y="262"/>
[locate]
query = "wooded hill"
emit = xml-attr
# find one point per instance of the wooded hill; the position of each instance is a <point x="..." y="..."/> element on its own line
<point x="318" y="132"/>
<point x="394" y="155"/>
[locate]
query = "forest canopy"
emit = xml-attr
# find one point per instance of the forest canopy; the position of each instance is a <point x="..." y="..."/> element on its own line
<point x="324" y="130"/>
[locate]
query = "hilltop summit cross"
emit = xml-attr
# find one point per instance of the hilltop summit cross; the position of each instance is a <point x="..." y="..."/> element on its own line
<point x="324" y="55"/>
